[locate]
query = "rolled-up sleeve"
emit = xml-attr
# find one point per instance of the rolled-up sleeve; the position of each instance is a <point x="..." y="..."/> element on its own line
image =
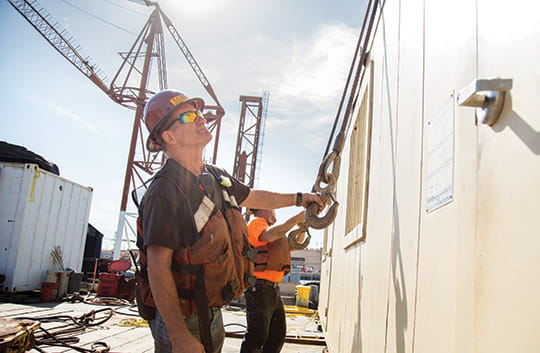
<point x="239" y="190"/>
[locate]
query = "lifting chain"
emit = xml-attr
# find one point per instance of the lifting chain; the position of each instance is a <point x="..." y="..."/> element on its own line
<point x="327" y="192"/>
<point x="293" y="236"/>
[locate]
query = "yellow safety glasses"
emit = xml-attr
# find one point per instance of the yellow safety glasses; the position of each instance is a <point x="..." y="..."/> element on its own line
<point x="186" y="117"/>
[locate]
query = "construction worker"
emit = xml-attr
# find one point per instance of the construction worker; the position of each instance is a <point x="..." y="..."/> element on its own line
<point x="195" y="255"/>
<point x="265" y="315"/>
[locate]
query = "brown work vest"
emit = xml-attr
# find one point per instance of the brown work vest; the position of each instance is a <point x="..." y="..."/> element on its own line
<point x="220" y="256"/>
<point x="274" y="256"/>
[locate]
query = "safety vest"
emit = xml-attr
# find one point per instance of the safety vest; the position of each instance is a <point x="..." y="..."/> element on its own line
<point x="217" y="267"/>
<point x="274" y="256"/>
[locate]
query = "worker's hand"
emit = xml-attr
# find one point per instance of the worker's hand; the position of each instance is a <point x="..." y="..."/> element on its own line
<point x="187" y="344"/>
<point x="308" y="198"/>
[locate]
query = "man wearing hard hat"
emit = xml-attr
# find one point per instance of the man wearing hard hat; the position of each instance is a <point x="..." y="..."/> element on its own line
<point x="195" y="253"/>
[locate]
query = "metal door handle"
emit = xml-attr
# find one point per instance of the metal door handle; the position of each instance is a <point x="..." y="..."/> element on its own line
<point x="487" y="95"/>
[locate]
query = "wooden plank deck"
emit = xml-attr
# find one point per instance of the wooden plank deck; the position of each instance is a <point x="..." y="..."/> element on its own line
<point x="122" y="332"/>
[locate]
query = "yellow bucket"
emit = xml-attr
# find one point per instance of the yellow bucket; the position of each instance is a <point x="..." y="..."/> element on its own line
<point x="302" y="296"/>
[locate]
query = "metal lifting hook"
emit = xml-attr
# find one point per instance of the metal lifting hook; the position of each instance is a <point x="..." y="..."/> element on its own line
<point x="292" y="237"/>
<point x="330" y="179"/>
<point x="316" y="222"/>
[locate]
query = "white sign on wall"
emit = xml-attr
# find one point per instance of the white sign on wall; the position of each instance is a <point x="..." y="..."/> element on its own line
<point x="440" y="157"/>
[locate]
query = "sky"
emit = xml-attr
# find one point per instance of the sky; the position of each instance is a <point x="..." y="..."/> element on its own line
<point x="299" y="51"/>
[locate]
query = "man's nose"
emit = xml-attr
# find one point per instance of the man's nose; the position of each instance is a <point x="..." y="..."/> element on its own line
<point x="201" y="120"/>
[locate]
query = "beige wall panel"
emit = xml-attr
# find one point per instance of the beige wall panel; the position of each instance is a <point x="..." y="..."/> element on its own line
<point x="376" y="248"/>
<point x="449" y="65"/>
<point x="408" y="132"/>
<point x="339" y="301"/>
<point x="363" y="329"/>
<point x="326" y="279"/>
<point x="508" y="309"/>
<point x="352" y="328"/>
<point x="346" y="291"/>
<point x="344" y="300"/>
<point x="465" y="189"/>
<point x="343" y="295"/>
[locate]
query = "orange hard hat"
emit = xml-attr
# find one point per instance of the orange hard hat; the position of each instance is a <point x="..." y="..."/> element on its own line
<point x="160" y="110"/>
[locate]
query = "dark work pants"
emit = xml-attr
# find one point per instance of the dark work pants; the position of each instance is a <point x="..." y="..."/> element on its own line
<point x="265" y="315"/>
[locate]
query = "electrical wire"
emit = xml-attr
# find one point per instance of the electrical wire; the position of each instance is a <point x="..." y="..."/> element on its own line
<point x="125" y="8"/>
<point x="99" y="18"/>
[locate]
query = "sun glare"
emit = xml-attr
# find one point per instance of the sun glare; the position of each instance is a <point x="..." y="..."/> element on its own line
<point x="198" y="7"/>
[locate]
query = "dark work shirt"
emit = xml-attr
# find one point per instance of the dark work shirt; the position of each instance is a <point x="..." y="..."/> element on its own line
<point x="166" y="211"/>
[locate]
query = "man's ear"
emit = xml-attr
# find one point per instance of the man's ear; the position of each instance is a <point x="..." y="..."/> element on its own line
<point x="168" y="137"/>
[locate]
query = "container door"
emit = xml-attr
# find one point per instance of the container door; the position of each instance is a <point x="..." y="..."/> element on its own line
<point x="11" y="182"/>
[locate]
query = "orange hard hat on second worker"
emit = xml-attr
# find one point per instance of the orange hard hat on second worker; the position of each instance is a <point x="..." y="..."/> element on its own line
<point x="160" y="110"/>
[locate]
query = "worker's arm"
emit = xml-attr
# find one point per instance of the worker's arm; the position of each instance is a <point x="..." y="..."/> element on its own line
<point x="272" y="200"/>
<point x="166" y="298"/>
<point x="278" y="230"/>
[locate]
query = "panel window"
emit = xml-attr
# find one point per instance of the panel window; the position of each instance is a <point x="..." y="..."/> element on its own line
<point x="359" y="160"/>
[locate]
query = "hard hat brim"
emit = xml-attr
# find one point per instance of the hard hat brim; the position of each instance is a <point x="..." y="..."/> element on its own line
<point x="151" y="144"/>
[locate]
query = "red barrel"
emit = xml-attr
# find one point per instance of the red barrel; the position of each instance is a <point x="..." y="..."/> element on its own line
<point x="108" y="284"/>
<point x="49" y="291"/>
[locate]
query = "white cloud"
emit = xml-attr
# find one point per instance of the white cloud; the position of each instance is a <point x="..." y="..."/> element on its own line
<point x="317" y="68"/>
<point x="308" y="87"/>
<point x="305" y="78"/>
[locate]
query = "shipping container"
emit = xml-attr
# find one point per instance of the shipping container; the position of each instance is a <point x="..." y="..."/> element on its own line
<point x="39" y="211"/>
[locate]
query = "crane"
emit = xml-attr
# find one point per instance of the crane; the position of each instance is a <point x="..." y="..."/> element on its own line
<point x="129" y="88"/>
<point x="250" y="137"/>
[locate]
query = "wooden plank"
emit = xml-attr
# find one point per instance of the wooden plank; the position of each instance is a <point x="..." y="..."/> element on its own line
<point x="129" y="339"/>
<point x="9" y="310"/>
<point x="141" y="342"/>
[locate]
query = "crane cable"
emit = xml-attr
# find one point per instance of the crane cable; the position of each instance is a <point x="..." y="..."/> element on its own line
<point x="99" y="18"/>
<point x="333" y="159"/>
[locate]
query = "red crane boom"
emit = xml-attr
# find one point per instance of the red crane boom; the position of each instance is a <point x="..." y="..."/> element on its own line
<point x="125" y="91"/>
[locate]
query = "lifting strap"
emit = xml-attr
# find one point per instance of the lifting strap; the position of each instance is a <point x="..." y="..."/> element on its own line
<point x="201" y="301"/>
